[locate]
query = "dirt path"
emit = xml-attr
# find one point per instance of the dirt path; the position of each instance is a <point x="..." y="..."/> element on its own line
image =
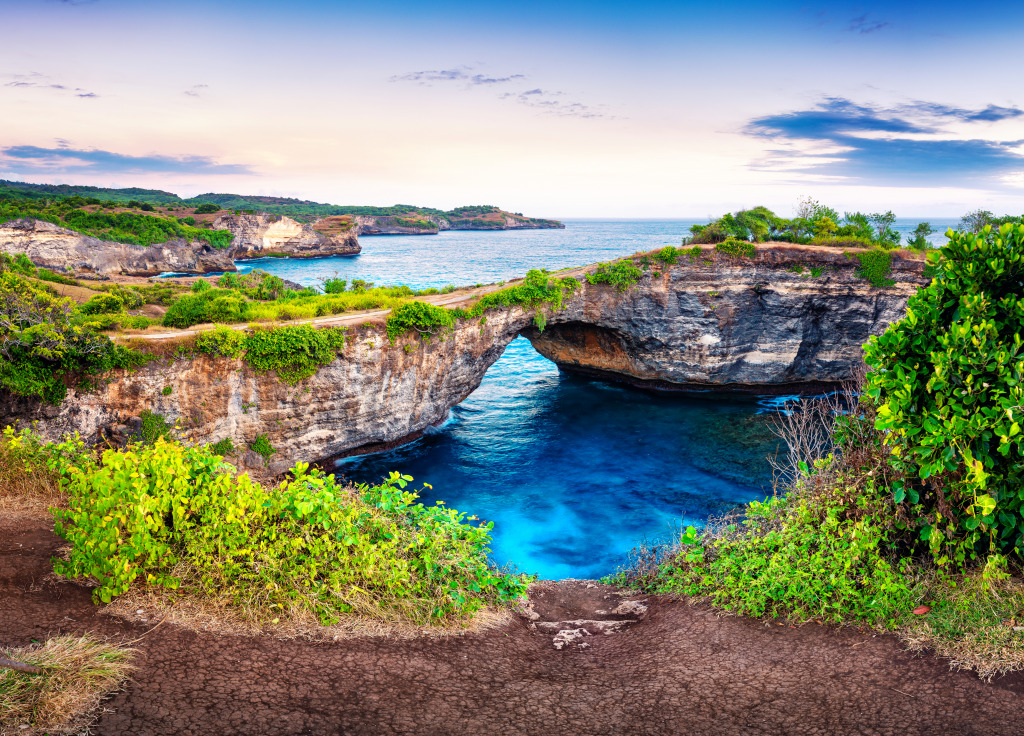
<point x="679" y="669"/>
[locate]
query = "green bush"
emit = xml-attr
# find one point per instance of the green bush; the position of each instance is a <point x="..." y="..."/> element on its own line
<point x="294" y="352"/>
<point x="949" y="382"/>
<point x="262" y="447"/>
<point x="102" y="304"/>
<point x="621" y="274"/>
<point x="206" y="208"/>
<point x="222" y="447"/>
<point x="737" y="249"/>
<point x="211" y="305"/>
<point x="154" y="427"/>
<point x="334" y="286"/>
<point x="174" y="517"/>
<point x="422" y="317"/>
<point x="669" y="255"/>
<point x="222" y="341"/>
<point x="875" y="266"/>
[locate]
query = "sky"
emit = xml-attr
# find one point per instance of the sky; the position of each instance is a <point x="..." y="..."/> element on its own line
<point x="553" y="109"/>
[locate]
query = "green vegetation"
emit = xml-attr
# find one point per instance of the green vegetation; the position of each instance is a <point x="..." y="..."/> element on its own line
<point x="908" y="495"/>
<point x="122" y="227"/>
<point x="154" y="427"/>
<point x="262" y="447"/>
<point x="737" y="249"/>
<point x="295" y="352"/>
<point x="424" y="318"/>
<point x="949" y="383"/>
<point x="875" y="266"/>
<point x="177" y="518"/>
<point x="620" y="274"/>
<point x="223" y="447"/>
<point x="47" y="342"/>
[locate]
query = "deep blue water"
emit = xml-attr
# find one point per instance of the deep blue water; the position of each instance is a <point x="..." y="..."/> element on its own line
<point x="573" y="471"/>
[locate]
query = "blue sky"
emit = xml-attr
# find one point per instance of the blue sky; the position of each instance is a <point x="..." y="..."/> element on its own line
<point x="644" y="109"/>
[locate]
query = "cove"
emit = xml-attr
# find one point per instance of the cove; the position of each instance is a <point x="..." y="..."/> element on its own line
<point x="573" y="471"/>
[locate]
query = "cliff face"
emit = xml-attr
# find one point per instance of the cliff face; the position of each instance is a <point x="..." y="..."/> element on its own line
<point x="732" y="324"/>
<point x="63" y="250"/>
<point x="432" y="224"/>
<point x="716" y="323"/>
<point x="255" y="236"/>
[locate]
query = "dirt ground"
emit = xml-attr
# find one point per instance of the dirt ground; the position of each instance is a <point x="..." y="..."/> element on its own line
<point x="672" y="669"/>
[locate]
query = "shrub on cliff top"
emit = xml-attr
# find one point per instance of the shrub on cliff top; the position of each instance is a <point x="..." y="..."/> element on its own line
<point x="621" y="274"/>
<point x="176" y="517"/>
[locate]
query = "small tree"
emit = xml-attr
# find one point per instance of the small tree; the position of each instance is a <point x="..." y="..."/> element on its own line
<point x="887" y="237"/>
<point x="975" y="222"/>
<point x="919" y="241"/>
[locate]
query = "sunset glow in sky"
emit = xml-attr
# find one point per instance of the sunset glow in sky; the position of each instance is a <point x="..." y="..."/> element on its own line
<point x="554" y="109"/>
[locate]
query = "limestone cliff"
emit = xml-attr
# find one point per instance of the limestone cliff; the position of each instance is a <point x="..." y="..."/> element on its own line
<point x="429" y="224"/>
<point x="716" y="323"/>
<point x="63" y="250"/>
<point x="255" y="236"/>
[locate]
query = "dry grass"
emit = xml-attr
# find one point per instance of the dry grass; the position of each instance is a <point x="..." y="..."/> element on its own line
<point x="78" y="672"/>
<point x="203" y="614"/>
<point x="977" y="625"/>
<point x="26" y="488"/>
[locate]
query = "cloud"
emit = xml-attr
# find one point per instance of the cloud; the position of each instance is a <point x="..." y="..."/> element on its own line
<point x="555" y="103"/>
<point x="458" y="74"/>
<point x="909" y="143"/>
<point x="864" y="24"/>
<point x="64" y="159"/>
<point x="41" y="81"/>
<point x="196" y="90"/>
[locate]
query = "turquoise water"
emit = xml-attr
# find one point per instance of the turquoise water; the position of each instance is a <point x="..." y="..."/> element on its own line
<point x="573" y="471"/>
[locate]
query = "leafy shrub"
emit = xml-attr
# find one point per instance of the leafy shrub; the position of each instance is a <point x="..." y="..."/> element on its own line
<point x="621" y="274"/>
<point x="424" y="318"/>
<point x="875" y="266"/>
<point x="334" y="286"/>
<point x="211" y="305"/>
<point x="222" y="447"/>
<point x="102" y="304"/>
<point x="295" y="352"/>
<point x="206" y="208"/>
<point x="154" y="427"/>
<point x="262" y="447"/>
<point x="44" y="344"/>
<point x="200" y="286"/>
<point x="669" y="255"/>
<point x="167" y="391"/>
<point x="222" y="341"/>
<point x="737" y="249"/>
<point x="256" y="284"/>
<point x="175" y="517"/>
<point x="949" y="382"/>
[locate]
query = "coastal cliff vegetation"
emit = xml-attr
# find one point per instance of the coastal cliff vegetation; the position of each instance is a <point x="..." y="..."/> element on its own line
<point x="907" y="512"/>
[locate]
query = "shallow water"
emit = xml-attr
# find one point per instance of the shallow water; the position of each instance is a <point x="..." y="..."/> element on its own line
<point x="573" y="471"/>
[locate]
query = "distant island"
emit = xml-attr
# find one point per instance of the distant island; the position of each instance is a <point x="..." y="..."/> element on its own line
<point x="399" y="219"/>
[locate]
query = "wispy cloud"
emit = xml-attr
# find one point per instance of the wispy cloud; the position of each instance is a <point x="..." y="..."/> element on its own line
<point x="64" y="159"/>
<point x="912" y="142"/>
<point x="461" y="74"/>
<point x="39" y="81"/>
<point x="196" y="90"/>
<point x="865" y="24"/>
<point x="555" y="103"/>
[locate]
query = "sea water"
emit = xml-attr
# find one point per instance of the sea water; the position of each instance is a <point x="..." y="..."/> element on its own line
<point x="573" y="471"/>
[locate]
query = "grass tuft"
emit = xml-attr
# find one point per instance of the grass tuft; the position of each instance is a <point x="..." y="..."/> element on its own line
<point x="78" y="672"/>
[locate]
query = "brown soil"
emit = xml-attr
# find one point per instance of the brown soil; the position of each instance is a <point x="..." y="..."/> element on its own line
<point x="677" y="669"/>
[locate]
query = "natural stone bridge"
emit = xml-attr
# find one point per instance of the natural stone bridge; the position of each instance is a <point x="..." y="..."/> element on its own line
<point x="755" y="325"/>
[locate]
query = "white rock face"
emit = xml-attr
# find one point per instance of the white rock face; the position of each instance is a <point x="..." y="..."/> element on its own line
<point x="257" y="235"/>
<point x="63" y="250"/>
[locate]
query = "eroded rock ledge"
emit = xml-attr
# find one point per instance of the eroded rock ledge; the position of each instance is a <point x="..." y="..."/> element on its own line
<point x="255" y="236"/>
<point x="717" y="323"/>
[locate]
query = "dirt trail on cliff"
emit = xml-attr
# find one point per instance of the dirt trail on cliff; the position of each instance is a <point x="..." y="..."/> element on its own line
<point x="669" y="669"/>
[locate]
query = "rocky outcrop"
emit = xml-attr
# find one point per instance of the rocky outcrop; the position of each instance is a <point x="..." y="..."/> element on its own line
<point x="433" y="224"/>
<point x="67" y="251"/>
<point x="374" y="225"/>
<point x="715" y="323"/>
<point x="256" y="236"/>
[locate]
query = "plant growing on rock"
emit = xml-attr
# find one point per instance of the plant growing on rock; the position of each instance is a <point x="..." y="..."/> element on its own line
<point x="621" y="274"/>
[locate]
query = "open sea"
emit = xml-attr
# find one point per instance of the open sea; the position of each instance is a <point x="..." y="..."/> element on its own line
<point x="573" y="471"/>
